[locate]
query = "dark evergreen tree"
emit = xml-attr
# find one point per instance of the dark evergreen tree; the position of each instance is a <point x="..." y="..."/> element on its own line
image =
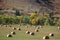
<point x="17" y="12"/>
<point x="51" y="14"/>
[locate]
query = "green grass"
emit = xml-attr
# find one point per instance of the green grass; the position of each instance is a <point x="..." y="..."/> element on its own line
<point x="21" y="35"/>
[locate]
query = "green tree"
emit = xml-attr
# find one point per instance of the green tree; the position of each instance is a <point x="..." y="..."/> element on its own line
<point x="26" y="19"/>
<point x="42" y="20"/>
<point x="58" y="22"/>
<point x="51" y="14"/>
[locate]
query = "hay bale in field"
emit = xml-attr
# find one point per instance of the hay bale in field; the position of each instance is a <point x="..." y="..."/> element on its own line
<point x="51" y="34"/>
<point x="26" y="26"/>
<point x="10" y="26"/>
<point x="58" y="28"/>
<point x="36" y="30"/>
<point x="14" y="28"/>
<point x="20" y="24"/>
<point x="13" y="33"/>
<point x="1" y="25"/>
<point x="41" y="27"/>
<point x="9" y="35"/>
<point x="27" y="32"/>
<point x="34" y="26"/>
<point x="18" y="29"/>
<point x="6" y="25"/>
<point x="38" y="27"/>
<point x="46" y="37"/>
<point x="31" y="33"/>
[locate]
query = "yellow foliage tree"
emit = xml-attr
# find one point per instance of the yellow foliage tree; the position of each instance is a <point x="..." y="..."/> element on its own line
<point x="33" y="18"/>
<point x="34" y="21"/>
<point x="33" y="15"/>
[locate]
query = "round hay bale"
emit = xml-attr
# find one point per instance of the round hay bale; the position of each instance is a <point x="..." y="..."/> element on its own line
<point x="26" y="26"/>
<point x="34" y="26"/>
<point x="13" y="33"/>
<point x="9" y="35"/>
<point x="51" y="34"/>
<point x="31" y="33"/>
<point x="38" y="27"/>
<point x="46" y="37"/>
<point x="14" y="28"/>
<point x="1" y="25"/>
<point x="6" y="25"/>
<point x="27" y="32"/>
<point x="20" y="24"/>
<point x="58" y="28"/>
<point x="41" y="27"/>
<point x="18" y="29"/>
<point x="10" y="26"/>
<point x="36" y="30"/>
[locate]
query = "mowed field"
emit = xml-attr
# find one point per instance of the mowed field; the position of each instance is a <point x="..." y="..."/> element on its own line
<point x="21" y="34"/>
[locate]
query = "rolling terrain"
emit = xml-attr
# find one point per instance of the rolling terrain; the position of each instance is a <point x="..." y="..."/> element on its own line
<point x="51" y="5"/>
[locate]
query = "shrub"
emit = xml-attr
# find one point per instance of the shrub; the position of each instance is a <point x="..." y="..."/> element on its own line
<point x="34" y="21"/>
<point x="26" y="19"/>
<point x="51" y="21"/>
<point x="20" y="18"/>
<point x="46" y="22"/>
<point x="41" y="20"/>
<point x="58" y="22"/>
<point x="33" y="15"/>
<point x="0" y="19"/>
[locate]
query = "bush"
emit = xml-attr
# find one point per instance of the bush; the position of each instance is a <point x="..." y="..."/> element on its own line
<point x="6" y="19"/>
<point x="58" y="22"/>
<point x="52" y="21"/>
<point x="34" y="21"/>
<point x="26" y="19"/>
<point x="46" y="22"/>
<point x="42" y="20"/>
<point x="20" y="18"/>
<point x="0" y="19"/>
<point x="32" y="16"/>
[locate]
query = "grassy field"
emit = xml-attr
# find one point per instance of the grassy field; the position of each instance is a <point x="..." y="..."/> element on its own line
<point x="21" y="35"/>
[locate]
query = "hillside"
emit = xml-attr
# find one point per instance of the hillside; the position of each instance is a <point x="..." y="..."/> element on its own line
<point x="44" y="5"/>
